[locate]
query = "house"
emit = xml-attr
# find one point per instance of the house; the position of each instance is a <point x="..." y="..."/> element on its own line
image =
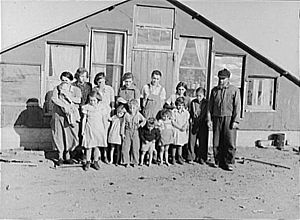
<point x="140" y="36"/>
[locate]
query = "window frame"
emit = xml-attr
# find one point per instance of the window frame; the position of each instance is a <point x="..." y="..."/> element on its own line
<point x="255" y="108"/>
<point x="136" y="25"/>
<point x="124" y="51"/>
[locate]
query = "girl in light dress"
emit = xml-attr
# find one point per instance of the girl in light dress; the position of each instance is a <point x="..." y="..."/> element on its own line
<point x="167" y="135"/>
<point x="180" y="122"/>
<point x="95" y="117"/>
<point x="114" y="135"/>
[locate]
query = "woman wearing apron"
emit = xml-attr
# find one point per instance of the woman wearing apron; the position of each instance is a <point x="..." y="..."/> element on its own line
<point x="153" y="95"/>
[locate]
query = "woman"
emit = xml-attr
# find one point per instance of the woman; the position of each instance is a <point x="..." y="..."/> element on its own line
<point x="65" y="117"/>
<point x="108" y="100"/>
<point x="181" y="89"/>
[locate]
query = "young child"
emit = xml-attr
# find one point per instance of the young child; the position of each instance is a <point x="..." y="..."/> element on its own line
<point x="128" y="90"/>
<point x="71" y="110"/>
<point x="93" y="129"/>
<point x="200" y="117"/>
<point x="166" y="133"/>
<point x="114" y="135"/>
<point x="149" y="136"/>
<point x="180" y="122"/>
<point x="133" y="120"/>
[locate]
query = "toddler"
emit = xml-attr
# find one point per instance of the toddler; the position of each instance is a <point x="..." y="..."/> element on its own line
<point x="149" y="136"/>
<point x="114" y="136"/>
<point x="167" y="135"/>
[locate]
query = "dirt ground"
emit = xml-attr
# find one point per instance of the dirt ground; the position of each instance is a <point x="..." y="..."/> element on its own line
<point x="252" y="190"/>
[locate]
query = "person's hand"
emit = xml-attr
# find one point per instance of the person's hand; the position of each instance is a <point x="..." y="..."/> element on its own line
<point x="235" y="125"/>
<point x="123" y="136"/>
<point x="82" y="133"/>
<point x="210" y="124"/>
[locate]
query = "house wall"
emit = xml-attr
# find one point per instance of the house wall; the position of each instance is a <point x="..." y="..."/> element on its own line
<point x="284" y="118"/>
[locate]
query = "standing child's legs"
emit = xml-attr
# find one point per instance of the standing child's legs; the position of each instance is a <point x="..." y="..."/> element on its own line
<point x="118" y="150"/>
<point x="142" y="158"/>
<point x="151" y="152"/>
<point x="126" y="149"/>
<point x="135" y="148"/>
<point x="161" y="153"/>
<point x="166" y="149"/>
<point x="87" y="161"/>
<point x="96" y="156"/>
<point x="179" y="152"/>
<point x="112" y="150"/>
<point x="173" y="154"/>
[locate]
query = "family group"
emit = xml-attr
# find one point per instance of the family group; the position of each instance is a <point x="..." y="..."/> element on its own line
<point x="136" y="127"/>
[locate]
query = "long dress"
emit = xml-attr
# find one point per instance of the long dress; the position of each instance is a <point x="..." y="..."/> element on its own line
<point x="180" y="137"/>
<point x="65" y="136"/>
<point x="95" y="130"/>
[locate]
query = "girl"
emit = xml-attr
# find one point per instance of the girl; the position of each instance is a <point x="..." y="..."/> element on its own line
<point x="93" y="128"/>
<point x="167" y="135"/>
<point x="181" y="90"/>
<point x="114" y="136"/>
<point x="133" y="120"/>
<point x="180" y="123"/>
<point x="200" y="116"/>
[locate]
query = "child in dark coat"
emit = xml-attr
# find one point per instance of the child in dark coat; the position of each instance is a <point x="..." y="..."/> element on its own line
<point x="198" y="128"/>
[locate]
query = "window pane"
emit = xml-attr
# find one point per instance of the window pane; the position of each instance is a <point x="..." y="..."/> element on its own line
<point x="64" y="58"/>
<point x="154" y="37"/>
<point x="260" y="93"/>
<point x="155" y="17"/>
<point x="194" y="78"/>
<point x="234" y="64"/>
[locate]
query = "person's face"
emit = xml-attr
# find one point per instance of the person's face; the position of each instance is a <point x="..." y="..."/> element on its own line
<point x="128" y="82"/>
<point x="223" y="81"/>
<point x="180" y="107"/>
<point x="155" y="80"/>
<point x="200" y="96"/>
<point x="82" y="78"/>
<point x="101" y="81"/>
<point x="93" y="101"/>
<point x="181" y="90"/>
<point x="150" y="127"/>
<point x="133" y="108"/>
<point x="120" y="114"/>
<point x="65" y="80"/>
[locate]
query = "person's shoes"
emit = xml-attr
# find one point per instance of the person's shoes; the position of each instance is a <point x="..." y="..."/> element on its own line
<point x="173" y="161"/>
<point x="201" y="161"/>
<point x="126" y="165"/>
<point x="69" y="161"/>
<point x="167" y="164"/>
<point x="228" y="167"/>
<point x="86" y="165"/>
<point x="180" y="160"/>
<point x="96" y="165"/>
<point x="59" y="162"/>
<point x="106" y="161"/>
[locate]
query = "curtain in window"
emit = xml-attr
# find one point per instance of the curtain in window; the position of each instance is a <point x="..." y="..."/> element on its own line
<point x="65" y="58"/>
<point x="267" y="89"/>
<point x="117" y="59"/>
<point x="100" y="48"/>
<point x="201" y="49"/>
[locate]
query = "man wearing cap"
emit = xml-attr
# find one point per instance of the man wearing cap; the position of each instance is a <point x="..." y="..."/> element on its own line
<point x="224" y="106"/>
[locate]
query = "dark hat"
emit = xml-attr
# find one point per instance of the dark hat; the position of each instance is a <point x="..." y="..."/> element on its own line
<point x="224" y="73"/>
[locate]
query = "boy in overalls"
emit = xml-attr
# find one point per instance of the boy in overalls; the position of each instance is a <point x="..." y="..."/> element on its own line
<point x="153" y="95"/>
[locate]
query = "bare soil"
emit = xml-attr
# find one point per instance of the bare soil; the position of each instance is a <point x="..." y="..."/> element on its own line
<point x="252" y="190"/>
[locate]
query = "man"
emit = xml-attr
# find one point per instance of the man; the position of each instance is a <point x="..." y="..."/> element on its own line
<point x="224" y="106"/>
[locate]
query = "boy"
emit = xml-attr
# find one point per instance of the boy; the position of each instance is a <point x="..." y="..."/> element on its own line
<point x="132" y="121"/>
<point x="149" y="136"/>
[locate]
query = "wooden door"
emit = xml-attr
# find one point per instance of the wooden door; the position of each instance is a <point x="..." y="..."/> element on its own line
<point x="145" y="61"/>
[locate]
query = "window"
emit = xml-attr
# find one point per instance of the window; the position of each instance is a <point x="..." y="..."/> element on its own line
<point x="107" y="56"/>
<point x="60" y="57"/>
<point x="234" y="63"/>
<point x="64" y="57"/>
<point x="260" y="93"/>
<point x="154" y="27"/>
<point x="193" y="62"/>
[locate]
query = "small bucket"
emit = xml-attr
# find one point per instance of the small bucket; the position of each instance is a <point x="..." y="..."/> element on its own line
<point x="278" y="140"/>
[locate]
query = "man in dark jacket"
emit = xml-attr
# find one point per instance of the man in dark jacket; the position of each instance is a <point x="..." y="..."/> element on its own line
<point x="224" y="106"/>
